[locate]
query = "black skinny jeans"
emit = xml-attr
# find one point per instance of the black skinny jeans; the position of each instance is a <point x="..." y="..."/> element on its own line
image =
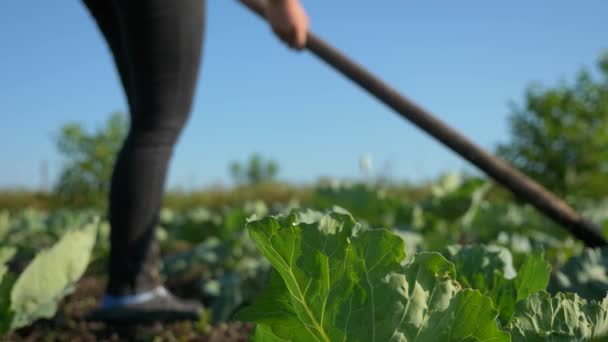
<point x="156" y="45"/>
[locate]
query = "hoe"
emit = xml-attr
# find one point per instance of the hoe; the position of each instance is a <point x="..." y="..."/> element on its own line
<point x="502" y="172"/>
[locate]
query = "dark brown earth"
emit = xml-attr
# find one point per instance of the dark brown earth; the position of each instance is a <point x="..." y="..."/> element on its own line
<point x="69" y="325"/>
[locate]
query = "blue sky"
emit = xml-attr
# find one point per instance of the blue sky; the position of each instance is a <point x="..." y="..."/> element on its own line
<point x="462" y="60"/>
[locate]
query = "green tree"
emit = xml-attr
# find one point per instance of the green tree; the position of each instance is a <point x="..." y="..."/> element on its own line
<point x="560" y="135"/>
<point x="256" y="171"/>
<point x="89" y="160"/>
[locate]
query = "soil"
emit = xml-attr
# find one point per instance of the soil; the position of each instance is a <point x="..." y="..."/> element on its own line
<point x="69" y="324"/>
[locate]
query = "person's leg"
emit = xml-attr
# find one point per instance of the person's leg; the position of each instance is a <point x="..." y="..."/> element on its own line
<point x="162" y="41"/>
<point x="106" y="17"/>
<point x="157" y="47"/>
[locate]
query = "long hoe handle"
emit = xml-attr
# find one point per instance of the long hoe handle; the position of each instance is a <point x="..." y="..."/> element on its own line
<point x="517" y="182"/>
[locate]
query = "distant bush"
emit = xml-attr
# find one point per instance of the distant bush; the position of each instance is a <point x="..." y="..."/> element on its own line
<point x="85" y="178"/>
<point x="559" y="135"/>
<point x="255" y="171"/>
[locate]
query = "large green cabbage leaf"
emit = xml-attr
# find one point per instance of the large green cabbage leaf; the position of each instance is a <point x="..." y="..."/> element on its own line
<point x="51" y="275"/>
<point x="564" y="317"/>
<point x="334" y="280"/>
<point x="490" y="270"/>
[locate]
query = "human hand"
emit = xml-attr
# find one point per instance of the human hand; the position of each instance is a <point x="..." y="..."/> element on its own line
<point x="289" y="21"/>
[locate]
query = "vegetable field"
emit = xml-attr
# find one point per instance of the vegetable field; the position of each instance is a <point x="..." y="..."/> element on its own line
<point x="352" y="263"/>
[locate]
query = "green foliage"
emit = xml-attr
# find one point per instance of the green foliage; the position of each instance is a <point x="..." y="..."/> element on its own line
<point x="197" y="225"/>
<point x="6" y="253"/>
<point x="494" y="268"/>
<point x="559" y="135"/>
<point x="452" y="211"/>
<point x="230" y="272"/>
<point x="89" y="161"/>
<point x="6" y="314"/>
<point x="50" y="276"/>
<point x="227" y="265"/>
<point x="565" y="317"/>
<point x="31" y="230"/>
<point x="256" y="171"/>
<point x="586" y="274"/>
<point x="373" y="205"/>
<point x="490" y="270"/>
<point x="4" y="223"/>
<point x="6" y="283"/>
<point x="19" y="199"/>
<point x="335" y="280"/>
